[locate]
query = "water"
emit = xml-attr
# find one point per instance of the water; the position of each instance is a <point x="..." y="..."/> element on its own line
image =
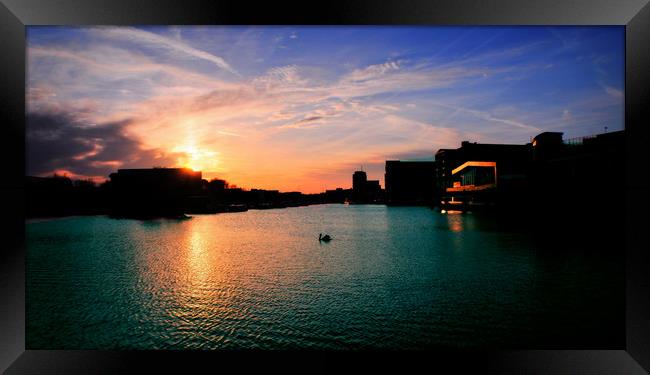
<point x="393" y="277"/>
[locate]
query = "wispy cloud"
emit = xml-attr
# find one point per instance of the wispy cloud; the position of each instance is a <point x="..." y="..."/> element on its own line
<point x="616" y="93"/>
<point x="154" y="40"/>
<point x="489" y="117"/>
<point x="302" y="123"/>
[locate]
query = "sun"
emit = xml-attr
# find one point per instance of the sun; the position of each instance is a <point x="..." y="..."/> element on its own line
<point x="198" y="159"/>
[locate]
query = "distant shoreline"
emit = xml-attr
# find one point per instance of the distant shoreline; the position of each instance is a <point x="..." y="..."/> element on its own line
<point x="38" y="219"/>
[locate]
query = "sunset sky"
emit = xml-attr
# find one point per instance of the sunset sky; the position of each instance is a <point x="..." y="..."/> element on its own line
<point x="301" y="108"/>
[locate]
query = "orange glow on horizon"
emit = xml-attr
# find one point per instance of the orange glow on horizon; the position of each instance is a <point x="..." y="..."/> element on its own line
<point x="197" y="159"/>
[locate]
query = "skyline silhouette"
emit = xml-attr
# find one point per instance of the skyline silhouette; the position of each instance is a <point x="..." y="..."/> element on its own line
<point x="296" y="108"/>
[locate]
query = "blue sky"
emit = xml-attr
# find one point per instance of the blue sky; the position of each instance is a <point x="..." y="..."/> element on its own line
<point x="299" y="108"/>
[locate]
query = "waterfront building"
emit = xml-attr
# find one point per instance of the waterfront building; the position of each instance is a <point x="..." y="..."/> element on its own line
<point x="155" y="191"/>
<point x="338" y="195"/>
<point x="264" y="196"/>
<point x="585" y="173"/>
<point x="410" y="182"/>
<point x="364" y="190"/>
<point x="359" y="179"/>
<point x="547" y="145"/>
<point x="548" y="174"/>
<point x="157" y="178"/>
<point x="481" y="175"/>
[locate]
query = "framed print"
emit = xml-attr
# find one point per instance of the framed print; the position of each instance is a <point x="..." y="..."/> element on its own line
<point x="368" y="184"/>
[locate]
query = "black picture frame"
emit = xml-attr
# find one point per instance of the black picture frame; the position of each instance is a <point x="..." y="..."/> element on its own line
<point x="16" y="14"/>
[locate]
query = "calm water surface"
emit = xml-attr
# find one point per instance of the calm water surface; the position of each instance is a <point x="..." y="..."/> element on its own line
<point x="393" y="277"/>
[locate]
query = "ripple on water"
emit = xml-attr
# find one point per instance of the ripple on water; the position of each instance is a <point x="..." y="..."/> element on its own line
<point x="399" y="277"/>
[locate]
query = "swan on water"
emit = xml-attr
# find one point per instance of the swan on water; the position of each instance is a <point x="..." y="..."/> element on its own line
<point x="325" y="238"/>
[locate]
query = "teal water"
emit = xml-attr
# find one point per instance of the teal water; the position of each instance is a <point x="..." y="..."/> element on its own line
<point x="393" y="277"/>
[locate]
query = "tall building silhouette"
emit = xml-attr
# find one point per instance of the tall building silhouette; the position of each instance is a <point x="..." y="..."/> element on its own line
<point x="359" y="179"/>
<point x="364" y="190"/>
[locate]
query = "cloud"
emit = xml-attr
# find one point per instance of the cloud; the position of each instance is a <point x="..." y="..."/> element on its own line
<point x="57" y="141"/>
<point x="373" y="71"/>
<point x="287" y="76"/>
<point x="600" y="64"/>
<point x="302" y="123"/>
<point x="100" y="59"/>
<point x="392" y="77"/>
<point x="614" y="92"/>
<point x="489" y="117"/>
<point x="142" y="37"/>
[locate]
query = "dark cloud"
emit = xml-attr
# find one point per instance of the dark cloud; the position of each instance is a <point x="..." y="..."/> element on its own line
<point x="309" y="119"/>
<point x="56" y="140"/>
<point x="304" y="121"/>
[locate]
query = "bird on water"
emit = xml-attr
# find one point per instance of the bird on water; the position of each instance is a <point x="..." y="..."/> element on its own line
<point x="325" y="238"/>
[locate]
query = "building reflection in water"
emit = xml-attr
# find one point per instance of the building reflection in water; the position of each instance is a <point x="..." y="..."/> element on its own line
<point x="455" y="221"/>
